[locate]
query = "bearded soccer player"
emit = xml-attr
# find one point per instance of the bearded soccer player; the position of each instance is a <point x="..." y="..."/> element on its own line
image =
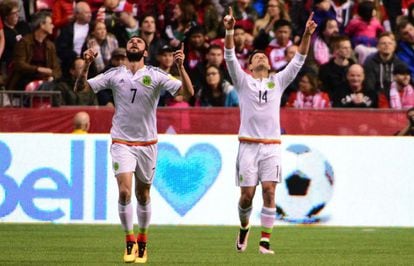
<point x="259" y="155"/>
<point x="136" y="88"/>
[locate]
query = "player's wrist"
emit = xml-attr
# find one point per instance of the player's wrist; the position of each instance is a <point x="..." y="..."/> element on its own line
<point x="229" y="32"/>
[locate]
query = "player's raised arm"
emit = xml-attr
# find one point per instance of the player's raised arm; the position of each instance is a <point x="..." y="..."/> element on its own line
<point x="229" y="22"/>
<point x="187" y="88"/>
<point x="307" y="34"/>
<point x="81" y="82"/>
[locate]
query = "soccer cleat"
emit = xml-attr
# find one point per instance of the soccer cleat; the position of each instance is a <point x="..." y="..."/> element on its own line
<point x="241" y="241"/>
<point x="131" y="251"/>
<point x="142" y="253"/>
<point x="264" y="248"/>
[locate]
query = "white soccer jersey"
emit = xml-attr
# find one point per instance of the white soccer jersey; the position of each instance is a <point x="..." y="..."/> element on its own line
<point x="259" y="99"/>
<point x="136" y="98"/>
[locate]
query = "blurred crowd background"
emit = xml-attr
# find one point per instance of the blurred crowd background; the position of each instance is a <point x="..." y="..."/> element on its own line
<point x="362" y="54"/>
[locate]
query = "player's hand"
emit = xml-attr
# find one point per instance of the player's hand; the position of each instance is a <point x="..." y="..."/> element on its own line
<point x="179" y="56"/>
<point x="311" y="25"/>
<point x="89" y="55"/>
<point x="229" y="20"/>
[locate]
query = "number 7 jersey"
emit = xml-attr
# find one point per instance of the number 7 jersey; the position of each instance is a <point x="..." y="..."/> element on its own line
<point x="259" y="99"/>
<point x="136" y="98"/>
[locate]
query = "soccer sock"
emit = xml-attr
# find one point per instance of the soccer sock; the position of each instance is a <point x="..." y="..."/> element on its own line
<point x="267" y="218"/>
<point x="144" y="217"/>
<point x="126" y="216"/>
<point x="244" y="216"/>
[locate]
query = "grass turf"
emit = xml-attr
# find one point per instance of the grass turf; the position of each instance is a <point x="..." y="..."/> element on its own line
<point x="75" y="244"/>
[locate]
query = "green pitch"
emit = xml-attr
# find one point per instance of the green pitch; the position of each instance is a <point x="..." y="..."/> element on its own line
<point x="51" y="244"/>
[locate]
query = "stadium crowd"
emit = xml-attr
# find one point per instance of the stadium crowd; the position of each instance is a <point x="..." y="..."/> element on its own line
<point x="362" y="54"/>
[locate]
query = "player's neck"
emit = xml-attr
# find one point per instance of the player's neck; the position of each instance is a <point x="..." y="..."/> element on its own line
<point x="260" y="74"/>
<point x="135" y="66"/>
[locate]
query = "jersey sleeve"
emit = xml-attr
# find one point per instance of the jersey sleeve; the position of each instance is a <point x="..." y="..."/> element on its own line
<point x="289" y="73"/>
<point x="233" y="66"/>
<point x="102" y="81"/>
<point x="169" y="83"/>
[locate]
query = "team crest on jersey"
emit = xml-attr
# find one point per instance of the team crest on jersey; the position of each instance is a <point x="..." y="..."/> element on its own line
<point x="146" y="80"/>
<point x="116" y="166"/>
<point x="270" y="85"/>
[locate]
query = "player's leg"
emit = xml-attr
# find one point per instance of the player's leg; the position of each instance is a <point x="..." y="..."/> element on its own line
<point x="246" y="179"/>
<point x="144" y="174"/>
<point x="267" y="216"/>
<point x="123" y="166"/>
<point x="270" y="175"/>
<point x="245" y="210"/>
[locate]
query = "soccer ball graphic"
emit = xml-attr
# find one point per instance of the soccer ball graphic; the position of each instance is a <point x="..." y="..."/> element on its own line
<point x="307" y="185"/>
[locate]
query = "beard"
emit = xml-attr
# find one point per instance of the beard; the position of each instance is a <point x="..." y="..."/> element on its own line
<point x="135" y="56"/>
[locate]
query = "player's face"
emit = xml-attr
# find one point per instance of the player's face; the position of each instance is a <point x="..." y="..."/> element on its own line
<point x="259" y="61"/>
<point x="135" y="45"/>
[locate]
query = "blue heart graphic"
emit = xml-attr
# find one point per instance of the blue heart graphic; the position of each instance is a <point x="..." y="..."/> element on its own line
<point x="183" y="181"/>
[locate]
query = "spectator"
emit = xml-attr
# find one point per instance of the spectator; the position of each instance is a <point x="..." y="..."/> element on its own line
<point x="127" y="25"/>
<point x="333" y="74"/>
<point x="323" y="10"/>
<point x="73" y="37"/>
<point x="217" y="91"/>
<point x="66" y="84"/>
<point x="364" y="28"/>
<point x="81" y="123"/>
<point x="379" y="67"/>
<point x="405" y="49"/>
<point x="148" y="33"/>
<point x="242" y="49"/>
<point x="215" y="57"/>
<point x="276" y="48"/>
<point x="165" y="60"/>
<point x="208" y="17"/>
<point x="401" y="93"/>
<point x="35" y="55"/>
<point x="14" y="30"/>
<point x="275" y="10"/>
<point x="308" y="95"/>
<point x="245" y="16"/>
<point x="62" y="13"/>
<point x="103" y="43"/>
<point x="408" y="130"/>
<point x="197" y="47"/>
<point x="320" y="52"/>
<point x="353" y="93"/>
<point x="108" y="13"/>
<point x="183" y="18"/>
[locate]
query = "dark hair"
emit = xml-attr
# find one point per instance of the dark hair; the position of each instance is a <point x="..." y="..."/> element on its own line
<point x="144" y="16"/>
<point x="282" y="23"/>
<point x="39" y="18"/>
<point x="6" y="7"/>
<point x="324" y="24"/>
<point x="365" y="9"/>
<point x="253" y="53"/>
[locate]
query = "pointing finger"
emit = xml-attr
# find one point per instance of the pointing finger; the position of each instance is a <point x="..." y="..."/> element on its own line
<point x="230" y="11"/>
<point x="310" y="16"/>
<point x="182" y="47"/>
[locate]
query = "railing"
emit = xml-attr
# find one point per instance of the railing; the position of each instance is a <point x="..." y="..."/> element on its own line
<point x="39" y="99"/>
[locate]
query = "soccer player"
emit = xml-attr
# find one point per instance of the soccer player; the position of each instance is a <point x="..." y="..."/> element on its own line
<point x="136" y="88"/>
<point x="258" y="158"/>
